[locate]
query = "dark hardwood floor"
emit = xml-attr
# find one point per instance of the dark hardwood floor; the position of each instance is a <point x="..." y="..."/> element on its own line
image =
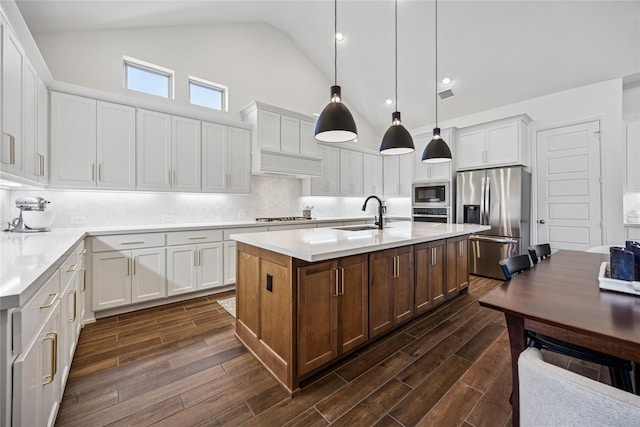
<point x="180" y="365"/>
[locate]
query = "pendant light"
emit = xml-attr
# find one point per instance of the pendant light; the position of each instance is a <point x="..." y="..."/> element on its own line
<point x="335" y="123"/>
<point x="437" y="150"/>
<point x="397" y="139"/>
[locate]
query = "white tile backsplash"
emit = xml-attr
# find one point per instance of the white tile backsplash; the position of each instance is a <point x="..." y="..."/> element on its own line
<point x="270" y="196"/>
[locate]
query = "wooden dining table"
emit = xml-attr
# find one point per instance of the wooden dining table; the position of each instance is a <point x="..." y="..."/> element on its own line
<point x="560" y="297"/>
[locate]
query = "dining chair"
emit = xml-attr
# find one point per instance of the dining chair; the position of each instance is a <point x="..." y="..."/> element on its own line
<point x="539" y="252"/>
<point x="619" y="369"/>
<point x="551" y="395"/>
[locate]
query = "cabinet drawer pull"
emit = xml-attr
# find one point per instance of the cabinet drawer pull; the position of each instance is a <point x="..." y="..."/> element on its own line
<point x="335" y="288"/>
<point x="132" y="243"/>
<point x="100" y="172"/>
<point x="41" y="164"/>
<point x="12" y="150"/>
<point x="93" y="172"/>
<point x="53" y="337"/>
<point x="197" y="238"/>
<point x="433" y="256"/>
<point x="75" y="305"/>
<point x="82" y="252"/>
<point x="341" y="281"/>
<point x="134" y="264"/>
<point x="84" y="279"/>
<point x="53" y="299"/>
<point x="72" y="268"/>
<point x="128" y="266"/>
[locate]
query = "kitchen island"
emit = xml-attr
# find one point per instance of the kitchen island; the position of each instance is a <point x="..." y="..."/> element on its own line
<point x="306" y="298"/>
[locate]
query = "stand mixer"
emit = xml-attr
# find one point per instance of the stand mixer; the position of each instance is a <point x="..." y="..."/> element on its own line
<point x="32" y="204"/>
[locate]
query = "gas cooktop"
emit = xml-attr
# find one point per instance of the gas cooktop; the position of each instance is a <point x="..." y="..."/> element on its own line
<point x="281" y="218"/>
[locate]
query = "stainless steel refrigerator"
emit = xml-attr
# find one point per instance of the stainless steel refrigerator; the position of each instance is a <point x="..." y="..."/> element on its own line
<point x="500" y="198"/>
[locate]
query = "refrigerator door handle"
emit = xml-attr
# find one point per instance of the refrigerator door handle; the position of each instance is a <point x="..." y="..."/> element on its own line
<point x="487" y="201"/>
<point x="492" y="239"/>
<point x="482" y="194"/>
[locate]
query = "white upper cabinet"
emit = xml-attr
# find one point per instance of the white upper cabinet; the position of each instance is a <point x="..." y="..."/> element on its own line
<point x="73" y="141"/>
<point x="329" y="183"/>
<point x="92" y="143"/>
<point x="632" y="137"/>
<point x="116" y="145"/>
<point x="153" y="150"/>
<point x="225" y="159"/>
<point x="12" y="143"/>
<point x="398" y="175"/>
<point x="432" y="171"/>
<point x="32" y="161"/>
<point x="283" y="142"/>
<point x="498" y="143"/>
<point x="351" y="173"/>
<point x="185" y="154"/>
<point x="372" y="174"/>
<point x="43" y="132"/>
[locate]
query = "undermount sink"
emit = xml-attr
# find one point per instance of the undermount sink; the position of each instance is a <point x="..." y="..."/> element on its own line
<point x="357" y="228"/>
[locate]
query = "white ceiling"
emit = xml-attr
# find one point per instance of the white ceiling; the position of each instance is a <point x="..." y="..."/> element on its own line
<point x="497" y="52"/>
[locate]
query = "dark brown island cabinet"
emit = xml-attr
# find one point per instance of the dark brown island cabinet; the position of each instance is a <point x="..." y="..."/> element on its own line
<point x="297" y="317"/>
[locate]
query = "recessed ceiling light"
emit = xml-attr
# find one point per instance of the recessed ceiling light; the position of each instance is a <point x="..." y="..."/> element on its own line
<point x="446" y="80"/>
<point x="388" y="101"/>
<point x="339" y="37"/>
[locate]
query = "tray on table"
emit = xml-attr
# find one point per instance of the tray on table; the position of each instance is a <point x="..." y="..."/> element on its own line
<point x="606" y="282"/>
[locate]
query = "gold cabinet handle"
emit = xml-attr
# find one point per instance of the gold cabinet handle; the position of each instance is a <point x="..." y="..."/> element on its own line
<point x="433" y="256"/>
<point x="12" y="149"/>
<point x="53" y="299"/>
<point x="132" y="243"/>
<point x="75" y="306"/>
<point x="53" y="337"/>
<point x="335" y="288"/>
<point x="93" y="172"/>
<point x="341" y="281"/>
<point x="195" y="257"/>
<point x="41" y="165"/>
<point x="128" y="266"/>
<point x="72" y="268"/>
<point x="99" y="171"/>
<point x="84" y="279"/>
<point x="134" y="264"/>
<point x="197" y="238"/>
<point x="82" y="252"/>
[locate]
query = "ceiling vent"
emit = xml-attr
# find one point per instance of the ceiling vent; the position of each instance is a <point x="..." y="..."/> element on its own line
<point x="445" y="94"/>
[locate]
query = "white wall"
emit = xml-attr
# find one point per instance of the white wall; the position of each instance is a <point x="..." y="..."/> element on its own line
<point x="602" y="101"/>
<point x="256" y="62"/>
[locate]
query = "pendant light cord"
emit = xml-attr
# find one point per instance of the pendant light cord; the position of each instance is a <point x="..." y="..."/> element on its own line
<point x="335" y="43"/>
<point x="396" y="47"/>
<point x="436" y="74"/>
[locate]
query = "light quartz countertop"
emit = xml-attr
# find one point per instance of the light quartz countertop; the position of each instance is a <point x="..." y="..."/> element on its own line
<point x="28" y="259"/>
<point x="319" y="244"/>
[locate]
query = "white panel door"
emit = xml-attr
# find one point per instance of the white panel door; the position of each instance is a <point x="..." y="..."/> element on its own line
<point x="148" y="280"/>
<point x="214" y="158"/>
<point x="229" y="258"/>
<point x="268" y="130"/>
<point x="569" y="212"/>
<point x="32" y="162"/>
<point x="210" y="270"/>
<point x="11" y="160"/>
<point x="181" y="269"/>
<point x="111" y="285"/>
<point x="73" y="141"/>
<point x="153" y="150"/>
<point x="289" y="135"/>
<point x="372" y="174"/>
<point x="308" y="144"/>
<point x="391" y="175"/>
<point x="238" y="160"/>
<point x="116" y="145"/>
<point x="632" y="136"/>
<point x="185" y="154"/>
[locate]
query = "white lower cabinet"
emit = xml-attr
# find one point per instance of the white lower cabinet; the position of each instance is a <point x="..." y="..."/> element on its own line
<point x="229" y="249"/>
<point x="128" y="277"/>
<point x="194" y="267"/>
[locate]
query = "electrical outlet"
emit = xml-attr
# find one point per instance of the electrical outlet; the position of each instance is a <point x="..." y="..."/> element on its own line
<point x="269" y="283"/>
<point x="78" y="220"/>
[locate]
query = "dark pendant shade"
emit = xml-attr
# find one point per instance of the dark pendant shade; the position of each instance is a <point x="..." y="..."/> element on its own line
<point x="437" y="150"/>
<point x="397" y="139"/>
<point x="336" y="123"/>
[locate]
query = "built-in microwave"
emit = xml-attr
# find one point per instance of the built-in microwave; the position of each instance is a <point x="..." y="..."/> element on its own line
<point x="431" y="194"/>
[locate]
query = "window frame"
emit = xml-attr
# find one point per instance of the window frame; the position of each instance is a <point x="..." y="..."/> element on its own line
<point x="207" y="84"/>
<point x="128" y="61"/>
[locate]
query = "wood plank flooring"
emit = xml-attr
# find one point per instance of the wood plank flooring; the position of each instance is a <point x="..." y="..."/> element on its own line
<point x="180" y="365"/>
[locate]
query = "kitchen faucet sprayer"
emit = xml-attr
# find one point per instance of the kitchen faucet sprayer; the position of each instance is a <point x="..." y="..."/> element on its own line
<point x="379" y="220"/>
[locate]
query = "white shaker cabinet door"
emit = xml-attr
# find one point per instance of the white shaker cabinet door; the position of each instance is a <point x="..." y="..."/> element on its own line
<point x="73" y="141"/>
<point x="406" y="174"/>
<point x="470" y="148"/>
<point x="308" y="143"/>
<point x="12" y="146"/>
<point x="111" y="279"/>
<point x="289" y="135"/>
<point x="185" y="154"/>
<point x="210" y="270"/>
<point x="391" y="176"/>
<point x="229" y="258"/>
<point x="238" y="160"/>
<point x="268" y="130"/>
<point x="214" y="158"/>
<point x="181" y="269"/>
<point x="329" y="183"/>
<point x="116" y="145"/>
<point x="153" y="150"/>
<point x="148" y="280"/>
<point x="502" y="142"/>
<point x="350" y="173"/>
<point x="372" y="174"/>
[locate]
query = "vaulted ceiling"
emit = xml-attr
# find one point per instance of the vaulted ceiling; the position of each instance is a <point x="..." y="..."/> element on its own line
<point x="496" y="52"/>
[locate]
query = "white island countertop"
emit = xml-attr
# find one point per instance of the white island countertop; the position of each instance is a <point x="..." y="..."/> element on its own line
<point x="319" y="244"/>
